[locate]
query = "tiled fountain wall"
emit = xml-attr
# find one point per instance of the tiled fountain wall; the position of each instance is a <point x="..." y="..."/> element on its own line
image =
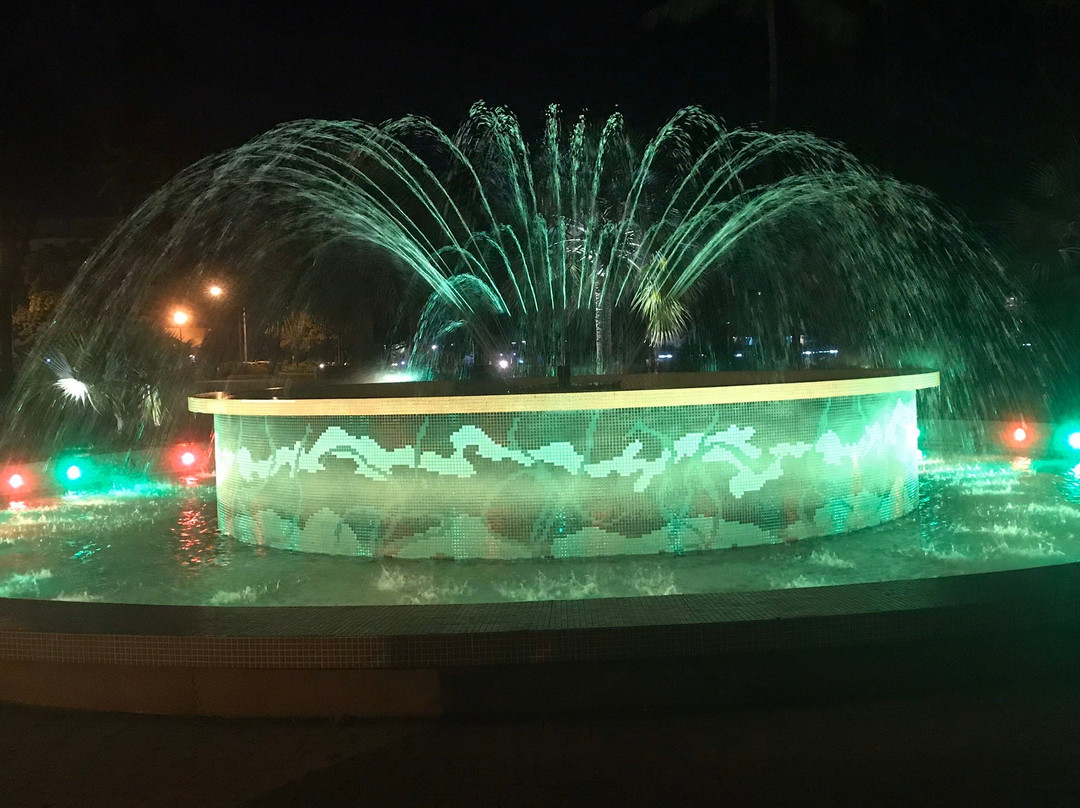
<point x="571" y="483"/>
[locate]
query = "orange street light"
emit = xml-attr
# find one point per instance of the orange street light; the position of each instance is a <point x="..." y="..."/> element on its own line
<point x="180" y="317"/>
<point x="215" y="291"/>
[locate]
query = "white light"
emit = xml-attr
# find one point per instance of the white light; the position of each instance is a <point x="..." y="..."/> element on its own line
<point x="74" y="389"/>
<point x="322" y="365"/>
<point x="395" y="377"/>
<point x="504" y="364"/>
<point x="664" y="356"/>
<point x="738" y="356"/>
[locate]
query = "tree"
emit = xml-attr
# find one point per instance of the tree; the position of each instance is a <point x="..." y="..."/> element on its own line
<point x="33" y="314"/>
<point x="1045" y="227"/>
<point x="834" y="20"/>
<point x="14" y="243"/>
<point x="299" y="333"/>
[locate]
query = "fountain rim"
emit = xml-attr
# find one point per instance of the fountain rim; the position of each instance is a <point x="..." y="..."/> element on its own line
<point x="586" y="393"/>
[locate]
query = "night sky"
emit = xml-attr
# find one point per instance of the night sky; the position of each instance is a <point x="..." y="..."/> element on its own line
<point x="103" y="101"/>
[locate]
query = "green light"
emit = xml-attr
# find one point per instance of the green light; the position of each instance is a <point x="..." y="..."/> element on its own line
<point x="1074" y="440"/>
<point x="75" y="472"/>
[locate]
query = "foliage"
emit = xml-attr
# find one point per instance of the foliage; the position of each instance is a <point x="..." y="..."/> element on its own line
<point x="299" y="333"/>
<point x="36" y="312"/>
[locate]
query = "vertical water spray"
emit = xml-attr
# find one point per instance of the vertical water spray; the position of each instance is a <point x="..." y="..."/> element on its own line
<point x="590" y="249"/>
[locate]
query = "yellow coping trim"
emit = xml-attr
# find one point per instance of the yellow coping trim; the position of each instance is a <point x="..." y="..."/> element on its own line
<point x="560" y="402"/>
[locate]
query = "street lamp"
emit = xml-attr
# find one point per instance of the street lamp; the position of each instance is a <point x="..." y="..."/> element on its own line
<point x="217" y="292"/>
<point x="183" y="328"/>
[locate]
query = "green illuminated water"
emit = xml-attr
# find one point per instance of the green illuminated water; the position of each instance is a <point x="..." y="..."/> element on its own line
<point x="585" y="246"/>
<point x="160" y="544"/>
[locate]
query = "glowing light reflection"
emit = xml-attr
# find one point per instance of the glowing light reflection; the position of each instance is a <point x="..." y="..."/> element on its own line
<point x="74" y="389"/>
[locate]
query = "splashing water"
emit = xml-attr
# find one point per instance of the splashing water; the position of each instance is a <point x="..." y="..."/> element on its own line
<point x="584" y="249"/>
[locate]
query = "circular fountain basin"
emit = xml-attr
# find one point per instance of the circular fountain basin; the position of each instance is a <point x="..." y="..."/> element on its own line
<point x="608" y="466"/>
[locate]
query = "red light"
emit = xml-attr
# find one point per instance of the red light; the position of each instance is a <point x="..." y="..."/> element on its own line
<point x="187" y="458"/>
<point x="1019" y="434"/>
<point x="16" y="481"/>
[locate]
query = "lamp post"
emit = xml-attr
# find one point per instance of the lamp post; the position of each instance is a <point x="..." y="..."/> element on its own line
<point x="217" y="292"/>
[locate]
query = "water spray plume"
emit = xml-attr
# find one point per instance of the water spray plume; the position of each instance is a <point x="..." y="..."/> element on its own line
<point x="589" y="246"/>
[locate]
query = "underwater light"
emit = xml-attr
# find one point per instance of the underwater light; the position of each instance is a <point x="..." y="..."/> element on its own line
<point x="1018" y="433"/>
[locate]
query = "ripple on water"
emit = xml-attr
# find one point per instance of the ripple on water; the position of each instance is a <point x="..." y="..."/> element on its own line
<point x="145" y="550"/>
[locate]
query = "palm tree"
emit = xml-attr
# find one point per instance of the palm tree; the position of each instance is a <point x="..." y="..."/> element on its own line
<point x="836" y="21"/>
<point x="1045" y="229"/>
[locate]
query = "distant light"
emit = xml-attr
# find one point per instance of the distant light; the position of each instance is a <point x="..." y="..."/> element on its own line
<point x="187" y="458"/>
<point x="180" y="317"/>
<point x="504" y="364"/>
<point x="1074" y="440"/>
<point x="664" y="356"/>
<point x="1020" y="434"/>
<point x="73" y="472"/>
<point x="215" y="291"/>
<point x="322" y="366"/>
<point x="16" y="481"/>
<point x="738" y="356"/>
<point x="434" y="347"/>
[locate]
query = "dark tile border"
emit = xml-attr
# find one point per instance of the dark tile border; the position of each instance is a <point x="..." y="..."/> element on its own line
<point x="999" y="604"/>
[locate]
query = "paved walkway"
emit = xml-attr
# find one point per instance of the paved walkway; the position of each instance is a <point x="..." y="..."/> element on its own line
<point x="1014" y="746"/>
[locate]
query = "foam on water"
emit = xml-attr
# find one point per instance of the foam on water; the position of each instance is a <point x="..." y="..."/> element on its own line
<point x="26" y="584"/>
<point x="827" y="558"/>
<point x="554" y="587"/>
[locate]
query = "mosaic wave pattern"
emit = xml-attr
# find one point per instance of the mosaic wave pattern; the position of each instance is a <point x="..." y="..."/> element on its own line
<point x="561" y="484"/>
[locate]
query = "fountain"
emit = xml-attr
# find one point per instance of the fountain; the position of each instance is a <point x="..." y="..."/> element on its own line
<point x="712" y="340"/>
<point x="586" y="256"/>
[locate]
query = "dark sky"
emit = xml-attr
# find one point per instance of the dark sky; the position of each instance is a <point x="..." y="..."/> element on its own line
<point x="101" y="101"/>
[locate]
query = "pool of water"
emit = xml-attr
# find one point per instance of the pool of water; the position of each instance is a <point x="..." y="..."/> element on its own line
<point x="159" y="543"/>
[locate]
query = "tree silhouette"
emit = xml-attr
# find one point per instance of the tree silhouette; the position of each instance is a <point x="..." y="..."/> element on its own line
<point x="836" y="21"/>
